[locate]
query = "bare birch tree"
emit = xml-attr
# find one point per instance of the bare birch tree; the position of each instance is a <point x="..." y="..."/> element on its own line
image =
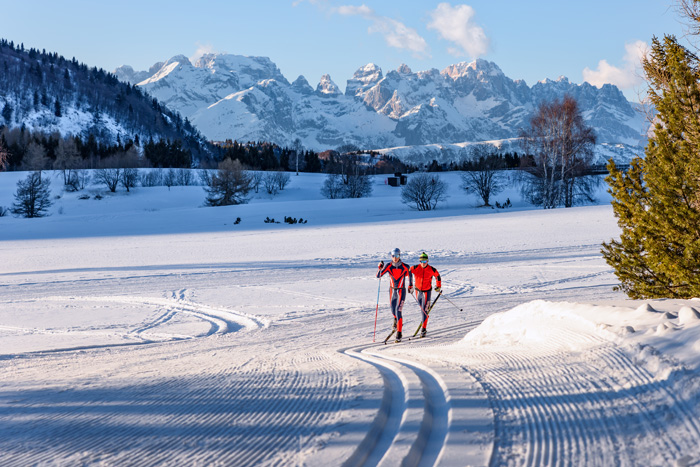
<point x="560" y="146"/>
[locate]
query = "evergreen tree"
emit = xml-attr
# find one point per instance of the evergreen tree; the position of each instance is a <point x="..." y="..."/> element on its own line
<point x="230" y="184"/>
<point x="7" y="113"/>
<point x="657" y="202"/>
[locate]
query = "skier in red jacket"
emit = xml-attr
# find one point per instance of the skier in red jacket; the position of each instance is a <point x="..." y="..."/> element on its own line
<point x="398" y="272"/>
<point x="424" y="273"/>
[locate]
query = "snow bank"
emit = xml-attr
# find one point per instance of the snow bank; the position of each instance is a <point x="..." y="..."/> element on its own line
<point x="663" y="335"/>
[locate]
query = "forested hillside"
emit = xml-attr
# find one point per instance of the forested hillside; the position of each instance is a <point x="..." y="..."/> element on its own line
<point x="45" y="98"/>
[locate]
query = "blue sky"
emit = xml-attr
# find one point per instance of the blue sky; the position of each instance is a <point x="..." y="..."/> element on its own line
<point x="594" y="40"/>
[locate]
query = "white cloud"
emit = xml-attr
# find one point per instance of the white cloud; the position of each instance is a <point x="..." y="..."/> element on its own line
<point x="626" y="77"/>
<point x="456" y="25"/>
<point x="202" y="49"/>
<point x="395" y="33"/>
<point x="362" y="10"/>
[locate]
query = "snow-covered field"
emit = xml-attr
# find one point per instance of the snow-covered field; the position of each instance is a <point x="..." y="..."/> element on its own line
<point x="145" y="329"/>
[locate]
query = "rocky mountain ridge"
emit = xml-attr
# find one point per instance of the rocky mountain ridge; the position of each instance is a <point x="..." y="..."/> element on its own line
<point x="248" y="98"/>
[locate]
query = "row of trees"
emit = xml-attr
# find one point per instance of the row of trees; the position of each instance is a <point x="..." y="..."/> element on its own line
<point x="24" y="149"/>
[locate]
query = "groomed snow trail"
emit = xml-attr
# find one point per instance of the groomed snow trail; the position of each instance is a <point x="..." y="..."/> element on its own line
<point x="182" y="403"/>
<point x="423" y="411"/>
<point x="592" y="407"/>
<point x="222" y="348"/>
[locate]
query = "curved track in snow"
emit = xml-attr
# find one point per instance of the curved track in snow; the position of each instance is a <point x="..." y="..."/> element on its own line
<point x="419" y="422"/>
<point x="549" y="407"/>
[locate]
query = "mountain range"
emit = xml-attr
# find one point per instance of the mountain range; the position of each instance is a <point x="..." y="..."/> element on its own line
<point x="249" y="99"/>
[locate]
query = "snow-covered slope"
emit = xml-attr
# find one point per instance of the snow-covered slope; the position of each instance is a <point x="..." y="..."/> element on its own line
<point x="144" y="329"/>
<point x="247" y="98"/>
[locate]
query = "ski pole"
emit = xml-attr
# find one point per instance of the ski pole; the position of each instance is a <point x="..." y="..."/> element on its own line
<point x="460" y="309"/>
<point x="376" y="312"/>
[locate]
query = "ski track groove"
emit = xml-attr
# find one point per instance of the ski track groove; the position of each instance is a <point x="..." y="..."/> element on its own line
<point x="540" y="421"/>
<point x="429" y="438"/>
<point x="307" y="404"/>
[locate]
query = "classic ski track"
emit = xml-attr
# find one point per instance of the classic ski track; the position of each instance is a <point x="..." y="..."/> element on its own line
<point x="413" y="422"/>
<point x="234" y="423"/>
<point x="222" y="320"/>
<point x="560" y="429"/>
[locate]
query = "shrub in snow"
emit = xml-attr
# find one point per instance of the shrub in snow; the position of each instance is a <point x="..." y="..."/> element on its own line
<point x="293" y="220"/>
<point x="507" y="204"/>
<point x="424" y="191"/>
<point x="32" y="198"/>
<point x="237" y="221"/>
<point x="4" y="211"/>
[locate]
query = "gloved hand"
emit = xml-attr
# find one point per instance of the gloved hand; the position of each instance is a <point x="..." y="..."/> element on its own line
<point x="410" y="289"/>
<point x="438" y="289"/>
<point x="381" y="264"/>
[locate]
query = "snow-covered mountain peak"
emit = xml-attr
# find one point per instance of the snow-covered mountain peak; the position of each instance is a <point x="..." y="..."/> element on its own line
<point x="404" y="69"/>
<point x="368" y="70"/>
<point x="327" y="86"/>
<point x="302" y="86"/>
<point x="562" y="79"/>
<point x="178" y="62"/>
<point x="256" y="68"/>
<point x="364" y="78"/>
<point x="479" y="68"/>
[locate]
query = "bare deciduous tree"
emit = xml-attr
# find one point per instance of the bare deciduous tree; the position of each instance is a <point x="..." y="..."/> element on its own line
<point x="32" y="198"/>
<point x="486" y="180"/>
<point x="67" y="160"/>
<point x="109" y="173"/>
<point x="424" y="191"/>
<point x="4" y="155"/>
<point x="269" y="183"/>
<point x="35" y="159"/>
<point x="274" y="182"/>
<point x="169" y="178"/>
<point x="185" y="177"/>
<point x="561" y="148"/>
<point x="282" y="180"/>
<point x="256" y="179"/>
<point x="358" y="185"/>
<point x="332" y="187"/>
<point x="129" y="161"/>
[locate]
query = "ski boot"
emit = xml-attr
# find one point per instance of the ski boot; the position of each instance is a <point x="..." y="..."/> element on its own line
<point x="423" y="332"/>
<point x="398" y="336"/>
